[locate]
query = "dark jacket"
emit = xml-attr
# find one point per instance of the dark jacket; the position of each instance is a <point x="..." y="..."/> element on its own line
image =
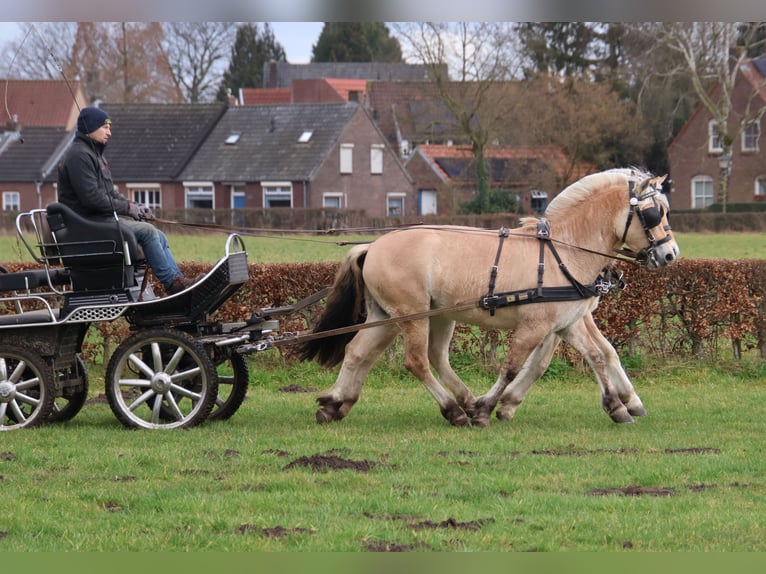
<point x="85" y="182"/>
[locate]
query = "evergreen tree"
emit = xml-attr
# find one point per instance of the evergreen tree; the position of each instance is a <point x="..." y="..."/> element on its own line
<point x="356" y="42"/>
<point x="252" y="49"/>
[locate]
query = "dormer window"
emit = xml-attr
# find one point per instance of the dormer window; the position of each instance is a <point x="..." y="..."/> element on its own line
<point x="305" y="136"/>
<point x="233" y="138"/>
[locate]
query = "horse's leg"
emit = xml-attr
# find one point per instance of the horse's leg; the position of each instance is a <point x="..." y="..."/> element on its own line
<point x="440" y="335"/>
<point x="416" y="361"/>
<point x="614" y="368"/>
<point x="600" y="358"/>
<point x="523" y="345"/>
<point x="533" y="369"/>
<point x="361" y="354"/>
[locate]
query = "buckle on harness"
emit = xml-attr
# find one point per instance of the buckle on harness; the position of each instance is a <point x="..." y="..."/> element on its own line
<point x="543" y="228"/>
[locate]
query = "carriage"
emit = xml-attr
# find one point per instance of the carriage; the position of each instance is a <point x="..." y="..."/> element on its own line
<point x="177" y="368"/>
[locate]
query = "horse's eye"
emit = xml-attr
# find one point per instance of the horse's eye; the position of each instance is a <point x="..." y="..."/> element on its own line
<point x="652" y="216"/>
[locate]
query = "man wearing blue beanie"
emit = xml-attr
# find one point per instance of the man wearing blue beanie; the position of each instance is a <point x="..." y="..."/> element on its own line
<point x="85" y="185"/>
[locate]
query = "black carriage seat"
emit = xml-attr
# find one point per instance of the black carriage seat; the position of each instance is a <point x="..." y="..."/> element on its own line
<point x="100" y="254"/>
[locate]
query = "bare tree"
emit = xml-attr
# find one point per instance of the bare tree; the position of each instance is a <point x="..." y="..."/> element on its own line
<point x="198" y="53"/>
<point x="712" y="55"/>
<point x="42" y="50"/>
<point x="481" y="57"/>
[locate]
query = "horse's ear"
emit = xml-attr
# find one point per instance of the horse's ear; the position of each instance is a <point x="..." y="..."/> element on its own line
<point x="658" y="181"/>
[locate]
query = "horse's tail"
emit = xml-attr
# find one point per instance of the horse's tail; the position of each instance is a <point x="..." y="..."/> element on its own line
<point x="344" y="307"/>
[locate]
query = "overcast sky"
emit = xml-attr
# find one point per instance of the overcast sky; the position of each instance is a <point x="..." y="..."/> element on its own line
<point x="297" y="38"/>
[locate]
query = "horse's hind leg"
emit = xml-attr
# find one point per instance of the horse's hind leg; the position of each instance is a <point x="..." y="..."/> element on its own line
<point x="603" y="359"/>
<point x="361" y="353"/>
<point x="416" y="359"/>
<point x="533" y="369"/>
<point x="440" y="335"/>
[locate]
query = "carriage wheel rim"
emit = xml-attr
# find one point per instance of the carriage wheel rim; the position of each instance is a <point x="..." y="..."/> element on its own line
<point x="25" y="396"/>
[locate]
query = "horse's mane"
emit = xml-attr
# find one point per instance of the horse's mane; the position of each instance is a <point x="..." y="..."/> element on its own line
<point x="585" y="187"/>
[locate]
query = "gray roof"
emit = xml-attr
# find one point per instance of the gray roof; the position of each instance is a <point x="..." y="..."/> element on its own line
<point x="267" y="148"/>
<point x="26" y="160"/>
<point x="154" y="142"/>
<point x="282" y="74"/>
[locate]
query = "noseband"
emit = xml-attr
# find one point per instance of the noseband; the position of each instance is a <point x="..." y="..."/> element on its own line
<point x="649" y="217"/>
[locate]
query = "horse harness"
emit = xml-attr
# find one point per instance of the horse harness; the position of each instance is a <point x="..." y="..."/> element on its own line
<point x="650" y="217"/>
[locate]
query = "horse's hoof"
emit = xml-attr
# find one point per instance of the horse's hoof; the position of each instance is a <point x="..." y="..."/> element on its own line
<point x="323" y="417"/>
<point x="501" y="416"/>
<point x="637" y="411"/>
<point x="456" y="416"/>
<point x="621" y="416"/>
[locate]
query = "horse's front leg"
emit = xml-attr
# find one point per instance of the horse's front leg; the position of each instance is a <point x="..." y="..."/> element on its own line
<point x="615" y="371"/>
<point x="602" y="358"/>
<point x="522" y="348"/>
<point x="361" y="353"/>
<point x="533" y="369"/>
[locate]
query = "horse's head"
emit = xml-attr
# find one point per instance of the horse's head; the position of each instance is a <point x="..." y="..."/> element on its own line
<point x="647" y="233"/>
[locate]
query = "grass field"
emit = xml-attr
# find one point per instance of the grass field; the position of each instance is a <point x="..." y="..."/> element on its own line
<point x="395" y="476"/>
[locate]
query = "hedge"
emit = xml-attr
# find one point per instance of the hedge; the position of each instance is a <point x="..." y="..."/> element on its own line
<point x="694" y="308"/>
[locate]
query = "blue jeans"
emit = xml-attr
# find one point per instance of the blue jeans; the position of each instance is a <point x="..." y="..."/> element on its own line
<point x="156" y="250"/>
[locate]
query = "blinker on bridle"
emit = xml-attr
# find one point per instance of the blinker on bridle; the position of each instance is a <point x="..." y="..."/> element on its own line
<point x="650" y="217"/>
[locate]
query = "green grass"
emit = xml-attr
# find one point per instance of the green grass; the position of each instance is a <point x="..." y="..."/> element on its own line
<point x="288" y="248"/>
<point x="90" y="485"/>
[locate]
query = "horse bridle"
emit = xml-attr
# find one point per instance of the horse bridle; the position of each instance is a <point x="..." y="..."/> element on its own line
<point x="650" y="217"/>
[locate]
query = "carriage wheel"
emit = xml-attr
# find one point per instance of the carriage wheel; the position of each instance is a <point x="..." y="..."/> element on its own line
<point x="161" y="379"/>
<point x="72" y="399"/>
<point x="26" y="398"/>
<point x="233" y="381"/>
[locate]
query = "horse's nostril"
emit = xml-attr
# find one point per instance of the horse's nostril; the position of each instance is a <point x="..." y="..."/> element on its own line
<point x="669" y="257"/>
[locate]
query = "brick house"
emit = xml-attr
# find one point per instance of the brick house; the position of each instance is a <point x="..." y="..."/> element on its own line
<point x="43" y="115"/>
<point x="325" y="156"/>
<point x="694" y="154"/>
<point x="445" y="175"/>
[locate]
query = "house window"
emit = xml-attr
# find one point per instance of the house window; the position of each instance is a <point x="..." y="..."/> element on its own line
<point x="199" y="195"/>
<point x="11" y="201"/>
<point x="277" y="194"/>
<point x="395" y="204"/>
<point x="332" y="200"/>
<point x="539" y="200"/>
<point x="146" y="195"/>
<point x="760" y="187"/>
<point x="750" y="136"/>
<point x="702" y="192"/>
<point x="714" y="139"/>
<point x="376" y="159"/>
<point x="346" y="158"/>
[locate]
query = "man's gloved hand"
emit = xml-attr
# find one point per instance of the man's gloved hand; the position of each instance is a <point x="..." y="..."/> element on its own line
<point x="146" y="213"/>
<point x="134" y="211"/>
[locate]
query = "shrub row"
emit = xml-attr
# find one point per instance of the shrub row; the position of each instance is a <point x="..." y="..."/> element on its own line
<point x="696" y="308"/>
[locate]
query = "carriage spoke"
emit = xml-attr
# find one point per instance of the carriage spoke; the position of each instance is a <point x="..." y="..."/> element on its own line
<point x="174" y="409"/>
<point x="18" y="413"/>
<point x="140" y="400"/>
<point x="140" y="365"/>
<point x="26" y="399"/>
<point x="175" y="360"/>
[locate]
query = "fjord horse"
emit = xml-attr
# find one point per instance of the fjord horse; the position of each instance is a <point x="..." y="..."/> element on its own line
<point x="542" y="281"/>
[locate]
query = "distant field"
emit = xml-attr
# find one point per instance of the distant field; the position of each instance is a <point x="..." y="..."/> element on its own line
<point x="304" y="248"/>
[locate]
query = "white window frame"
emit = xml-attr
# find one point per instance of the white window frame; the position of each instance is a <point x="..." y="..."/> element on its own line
<point x="276" y="190"/>
<point x="146" y="194"/>
<point x="760" y="186"/>
<point x="201" y="190"/>
<point x="699" y="202"/>
<point x="347" y="158"/>
<point x="11" y="201"/>
<point x="391" y="199"/>
<point x="376" y="159"/>
<point x="334" y="196"/>
<point x="751" y="134"/>
<point x="714" y="143"/>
